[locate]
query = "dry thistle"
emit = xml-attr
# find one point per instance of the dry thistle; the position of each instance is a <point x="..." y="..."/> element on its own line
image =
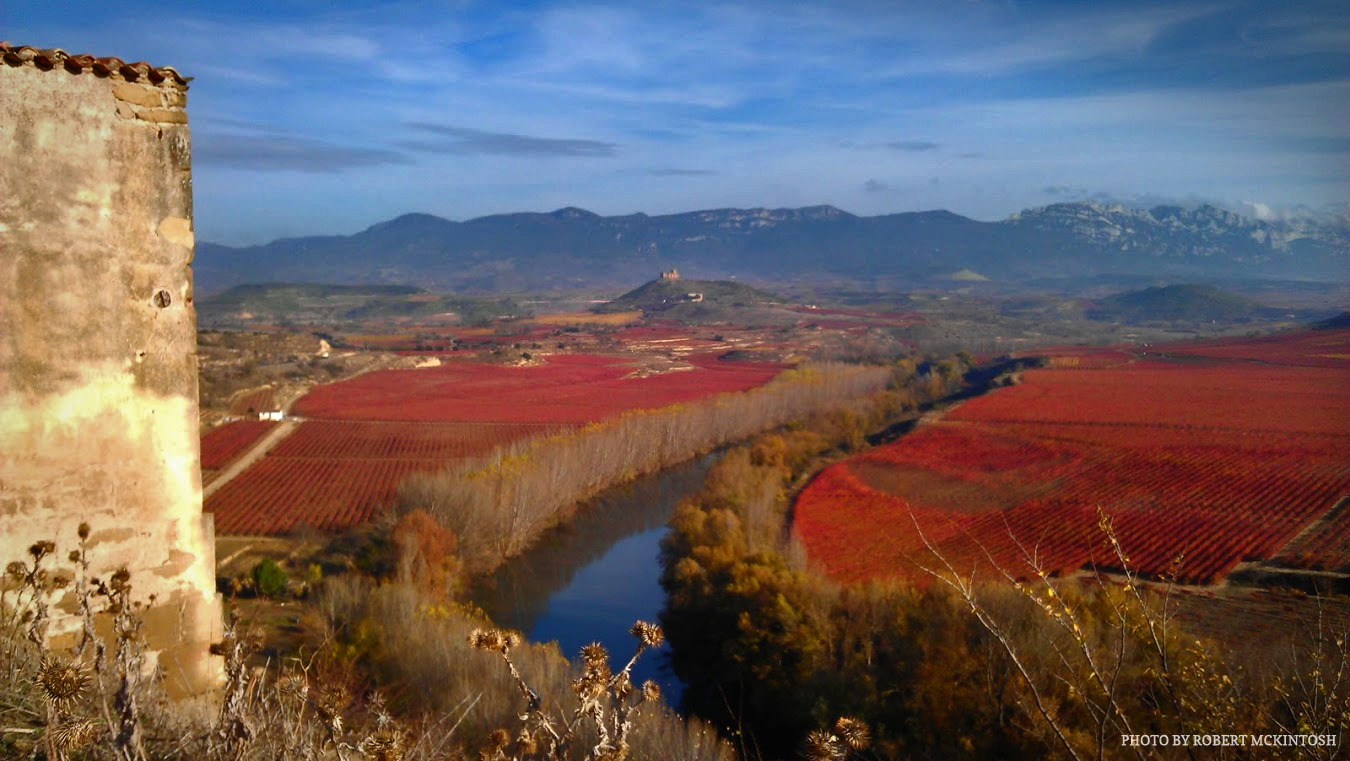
<point x="651" y="691"/>
<point x="823" y="746"/>
<point x="41" y="549"/>
<point x="494" y="640"/>
<point x="622" y="685"/>
<point x="594" y="653"/>
<point x="73" y="734"/>
<point x="120" y="581"/>
<point x="293" y="684"/>
<point x="526" y="744"/>
<point x="385" y="745"/>
<point x="648" y="634"/>
<point x="592" y="682"/>
<point x="853" y="732"/>
<point x="62" y="681"/>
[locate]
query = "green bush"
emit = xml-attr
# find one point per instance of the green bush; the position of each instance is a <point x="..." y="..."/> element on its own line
<point x="269" y="578"/>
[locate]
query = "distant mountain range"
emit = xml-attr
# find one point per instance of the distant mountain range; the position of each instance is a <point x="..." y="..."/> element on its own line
<point x="573" y="247"/>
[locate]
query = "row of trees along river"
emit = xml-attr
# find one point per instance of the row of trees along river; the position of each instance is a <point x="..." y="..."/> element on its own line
<point x="597" y="569"/>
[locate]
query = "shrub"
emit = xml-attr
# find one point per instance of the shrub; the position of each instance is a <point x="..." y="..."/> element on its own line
<point x="269" y="579"/>
<point x="426" y="553"/>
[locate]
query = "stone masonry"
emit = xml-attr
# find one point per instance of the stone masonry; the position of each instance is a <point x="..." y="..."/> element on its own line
<point x="98" y="365"/>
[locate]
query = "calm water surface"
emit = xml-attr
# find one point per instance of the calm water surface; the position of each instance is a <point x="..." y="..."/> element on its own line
<point x="590" y="580"/>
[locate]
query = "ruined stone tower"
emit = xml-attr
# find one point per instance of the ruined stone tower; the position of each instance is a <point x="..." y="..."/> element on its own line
<point x="98" y="362"/>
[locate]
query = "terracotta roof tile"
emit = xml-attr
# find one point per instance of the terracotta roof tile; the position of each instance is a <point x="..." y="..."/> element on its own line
<point x="51" y="58"/>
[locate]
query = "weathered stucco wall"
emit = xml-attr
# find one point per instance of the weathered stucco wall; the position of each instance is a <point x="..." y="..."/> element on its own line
<point x="98" y="365"/>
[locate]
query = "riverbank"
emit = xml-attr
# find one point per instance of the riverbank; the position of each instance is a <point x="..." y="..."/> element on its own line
<point x="590" y="578"/>
<point x="499" y="504"/>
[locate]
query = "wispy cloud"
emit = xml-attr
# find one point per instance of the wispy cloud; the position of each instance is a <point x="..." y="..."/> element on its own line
<point x="1065" y="191"/>
<point x="672" y="106"/>
<point x="673" y="172"/>
<point x="1005" y="44"/>
<point x="276" y="153"/>
<point x="912" y="146"/>
<point x="452" y="139"/>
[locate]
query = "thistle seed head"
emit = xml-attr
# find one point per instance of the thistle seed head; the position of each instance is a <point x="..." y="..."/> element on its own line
<point x="853" y="732"/>
<point x="823" y="746"/>
<point x="384" y="745"/>
<point x="594" y="654"/>
<point x="74" y="734"/>
<point x="62" y="681"/>
<point x="293" y="685"/>
<point x="651" y="691"/>
<point x="648" y="634"/>
<point x="494" y="640"/>
<point x="121" y="580"/>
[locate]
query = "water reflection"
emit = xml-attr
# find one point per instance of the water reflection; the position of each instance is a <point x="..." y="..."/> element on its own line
<point x="592" y="578"/>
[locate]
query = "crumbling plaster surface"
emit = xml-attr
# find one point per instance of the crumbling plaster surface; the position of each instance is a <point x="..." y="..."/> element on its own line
<point x="98" y="367"/>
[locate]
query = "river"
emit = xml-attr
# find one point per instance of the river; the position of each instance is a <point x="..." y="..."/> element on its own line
<point x="589" y="579"/>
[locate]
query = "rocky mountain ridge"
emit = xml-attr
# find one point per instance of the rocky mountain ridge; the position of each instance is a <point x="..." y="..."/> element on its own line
<point x="572" y="247"/>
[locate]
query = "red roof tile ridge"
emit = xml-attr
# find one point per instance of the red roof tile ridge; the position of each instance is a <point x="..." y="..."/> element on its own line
<point x="51" y="58"/>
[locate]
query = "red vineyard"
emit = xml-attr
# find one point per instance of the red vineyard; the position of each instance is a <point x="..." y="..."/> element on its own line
<point x="221" y="445"/>
<point x="1325" y="547"/>
<point x="323" y="439"/>
<point x="1216" y="465"/>
<point x="278" y="495"/>
<point x="333" y="475"/>
<point x="1310" y="348"/>
<point x="567" y="389"/>
<point x="364" y="436"/>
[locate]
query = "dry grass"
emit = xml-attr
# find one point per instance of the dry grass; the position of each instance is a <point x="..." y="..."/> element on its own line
<point x="92" y="700"/>
<point x="424" y="651"/>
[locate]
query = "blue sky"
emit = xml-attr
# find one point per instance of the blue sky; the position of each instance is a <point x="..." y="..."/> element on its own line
<point x="311" y="116"/>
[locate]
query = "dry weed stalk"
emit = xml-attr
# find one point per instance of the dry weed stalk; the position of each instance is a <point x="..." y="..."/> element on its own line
<point x="1092" y="671"/>
<point x="607" y="702"/>
<point x="302" y="714"/>
<point x="1315" y="698"/>
<point x="91" y="702"/>
<point x="1135" y="671"/>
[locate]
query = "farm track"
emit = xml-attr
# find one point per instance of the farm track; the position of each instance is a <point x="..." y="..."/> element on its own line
<point x="256" y="452"/>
